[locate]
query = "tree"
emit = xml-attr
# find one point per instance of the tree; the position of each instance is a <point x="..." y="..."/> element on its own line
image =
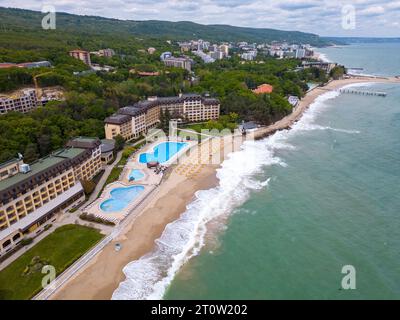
<point x="30" y="153"/>
<point x="234" y="116"/>
<point x="337" y="72"/>
<point x="44" y="142"/>
<point x="119" y="142"/>
<point x="165" y="118"/>
<point x="88" y="186"/>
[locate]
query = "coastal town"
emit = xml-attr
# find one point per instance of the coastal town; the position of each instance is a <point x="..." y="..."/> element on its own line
<point x="114" y="145"/>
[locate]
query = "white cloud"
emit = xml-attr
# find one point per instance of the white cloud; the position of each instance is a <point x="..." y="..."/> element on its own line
<point x="373" y="11"/>
<point x="316" y="16"/>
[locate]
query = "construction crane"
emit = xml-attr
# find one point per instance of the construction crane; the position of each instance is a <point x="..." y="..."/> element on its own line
<point x="39" y="91"/>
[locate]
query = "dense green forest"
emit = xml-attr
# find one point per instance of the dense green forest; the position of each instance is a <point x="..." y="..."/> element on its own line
<point x="30" y="20"/>
<point x="91" y="97"/>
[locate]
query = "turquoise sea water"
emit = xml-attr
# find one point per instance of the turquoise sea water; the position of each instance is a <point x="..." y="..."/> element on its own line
<point x="293" y="209"/>
<point x="162" y="152"/>
<point x="376" y="59"/>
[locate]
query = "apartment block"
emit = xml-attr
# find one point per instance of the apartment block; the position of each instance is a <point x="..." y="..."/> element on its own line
<point x="31" y="195"/>
<point x="21" y="101"/>
<point x="106" y="53"/>
<point x="183" y="63"/>
<point x="81" y="55"/>
<point x="326" y="66"/>
<point x="132" y="121"/>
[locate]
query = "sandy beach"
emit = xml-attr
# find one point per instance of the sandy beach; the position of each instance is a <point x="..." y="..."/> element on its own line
<point x="99" y="278"/>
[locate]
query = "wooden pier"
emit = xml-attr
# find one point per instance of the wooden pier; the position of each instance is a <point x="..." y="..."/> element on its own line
<point x="364" y="93"/>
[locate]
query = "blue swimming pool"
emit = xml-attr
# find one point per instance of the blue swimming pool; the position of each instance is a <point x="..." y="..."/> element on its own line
<point x="162" y="152"/>
<point x="120" y="198"/>
<point x="135" y="175"/>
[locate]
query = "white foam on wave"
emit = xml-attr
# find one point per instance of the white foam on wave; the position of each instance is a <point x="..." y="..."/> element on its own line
<point x="149" y="277"/>
<point x="323" y="57"/>
<point x="360" y="85"/>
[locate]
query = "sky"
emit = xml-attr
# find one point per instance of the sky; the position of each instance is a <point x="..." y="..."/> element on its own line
<point x="367" y="18"/>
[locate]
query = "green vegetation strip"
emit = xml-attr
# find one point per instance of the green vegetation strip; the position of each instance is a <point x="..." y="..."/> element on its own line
<point x="22" y="279"/>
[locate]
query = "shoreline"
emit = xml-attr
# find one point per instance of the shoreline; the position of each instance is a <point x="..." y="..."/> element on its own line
<point x="99" y="278"/>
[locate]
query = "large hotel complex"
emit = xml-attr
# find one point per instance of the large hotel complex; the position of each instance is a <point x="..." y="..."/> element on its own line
<point x="31" y="195"/>
<point x="132" y="121"/>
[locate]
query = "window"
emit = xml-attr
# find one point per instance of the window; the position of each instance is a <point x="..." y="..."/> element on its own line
<point x="6" y="243"/>
<point x="16" y="237"/>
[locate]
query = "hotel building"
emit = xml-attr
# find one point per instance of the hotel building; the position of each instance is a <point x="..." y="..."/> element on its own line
<point x="133" y="121"/>
<point x="326" y="66"/>
<point x="21" y="101"/>
<point x="31" y="195"/>
<point x="81" y="55"/>
<point x="225" y="49"/>
<point x="183" y="63"/>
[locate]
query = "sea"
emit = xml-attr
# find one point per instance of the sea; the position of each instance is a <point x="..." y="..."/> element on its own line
<point x="309" y="213"/>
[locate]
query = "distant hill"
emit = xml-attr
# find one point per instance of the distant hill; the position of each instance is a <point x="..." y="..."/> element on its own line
<point x="18" y="20"/>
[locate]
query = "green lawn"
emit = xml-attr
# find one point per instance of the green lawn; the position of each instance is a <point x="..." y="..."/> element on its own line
<point x="59" y="249"/>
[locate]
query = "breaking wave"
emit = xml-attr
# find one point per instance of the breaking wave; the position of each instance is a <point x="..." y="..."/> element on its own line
<point x="149" y="277"/>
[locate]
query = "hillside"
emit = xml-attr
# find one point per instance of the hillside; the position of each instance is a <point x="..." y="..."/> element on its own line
<point x="17" y="20"/>
<point x="91" y="97"/>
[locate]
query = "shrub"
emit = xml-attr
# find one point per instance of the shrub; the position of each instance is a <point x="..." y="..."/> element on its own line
<point x="26" y="241"/>
<point x="91" y="218"/>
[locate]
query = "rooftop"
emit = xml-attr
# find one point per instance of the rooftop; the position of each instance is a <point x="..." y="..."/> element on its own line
<point x="36" y="167"/>
<point x="264" y="88"/>
<point x="79" y="50"/>
<point x="47" y="167"/>
<point x="117" y="119"/>
<point x="107" y="145"/>
<point x="84" y="142"/>
<point x="9" y="162"/>
<point x="69" y="153"/>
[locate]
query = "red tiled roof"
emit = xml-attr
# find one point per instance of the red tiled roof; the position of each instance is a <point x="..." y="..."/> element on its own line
<point x="264" y="88"/>
<point x="7" y="65"/>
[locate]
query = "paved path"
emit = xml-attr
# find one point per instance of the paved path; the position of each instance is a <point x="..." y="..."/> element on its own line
<point x="102" y="181"/>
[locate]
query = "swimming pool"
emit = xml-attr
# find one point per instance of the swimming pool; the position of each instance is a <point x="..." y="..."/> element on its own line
<point x="162" y="152"/>
<point x="135" y="175"/>
<point x="120" y="198"/>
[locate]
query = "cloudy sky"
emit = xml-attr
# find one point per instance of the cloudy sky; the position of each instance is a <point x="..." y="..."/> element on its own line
<point x="324" y="17"/>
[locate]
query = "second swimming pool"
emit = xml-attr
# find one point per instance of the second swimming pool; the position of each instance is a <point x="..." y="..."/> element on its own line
<point x="120" y="198"/>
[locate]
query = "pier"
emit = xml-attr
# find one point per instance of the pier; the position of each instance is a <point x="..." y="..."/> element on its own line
<point x="364" y="93"/>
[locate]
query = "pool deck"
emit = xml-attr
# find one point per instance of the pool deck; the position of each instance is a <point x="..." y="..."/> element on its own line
<point x="150" y="181"/>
